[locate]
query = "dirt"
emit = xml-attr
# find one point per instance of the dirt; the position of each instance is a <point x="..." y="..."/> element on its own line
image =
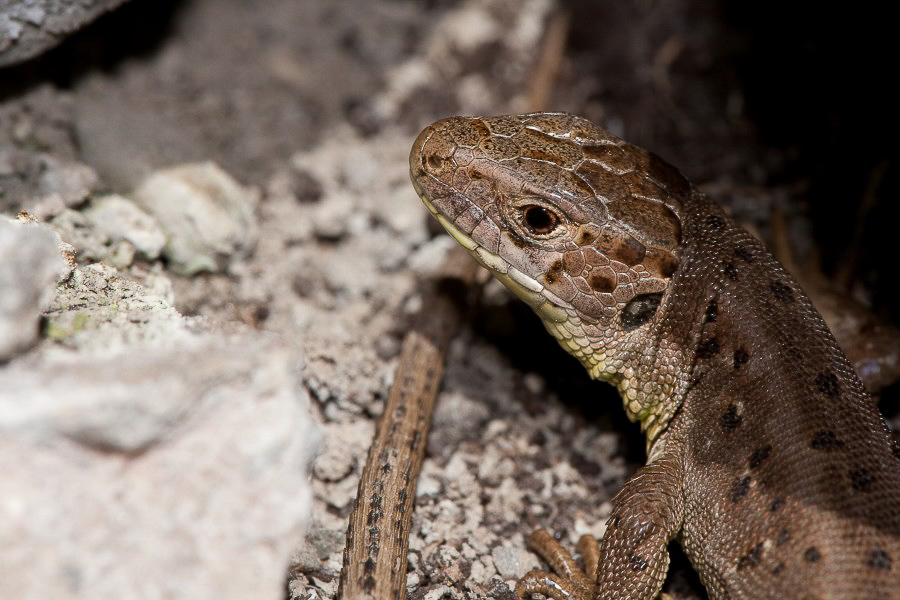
<point x="314" y="106"/>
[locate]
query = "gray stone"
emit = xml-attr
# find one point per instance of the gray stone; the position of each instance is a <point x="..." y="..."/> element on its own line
<point x="207" y="216"/>
<point x="70" y="180"/>
<point x="30" y="266"/>
<point x="153" y="472"/>
<point x="331" y="218"/>
<point x="325" y="541"/>
<point x="144" y="455"/>
<point x="98" y="311"/>
<point x="510" y="562"/>
<point x="343" y="442"/>
<point x="30" y="27"/>
<point x="120" y="219"/>
<point x="72" y="226"/>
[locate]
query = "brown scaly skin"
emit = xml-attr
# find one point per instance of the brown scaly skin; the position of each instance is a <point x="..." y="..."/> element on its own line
<point x="767" y="460"/>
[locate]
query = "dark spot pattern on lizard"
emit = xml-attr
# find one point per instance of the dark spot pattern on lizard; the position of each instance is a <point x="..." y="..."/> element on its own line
<point x="730" y="271"/>
<point x="741" y="356"/>
<point x="730" y="419"/>
<point x="751" y="558"/>
<point x="603" y="280"/>
<point x="826" y="440"/>
<point x="740" y="488"/>
<point x="861" y="480"/>
<point x="759" y="456"/>
<point x="712" y="311"/>
<point x="781" y="291"/>
<point x="812" y="555"/>
<point x="708" y="348"/>
<point x="584" y="238"/>
<point x="555" y="272"/>
<point x="783" y="536"/>
<point x="637" y="563"/>
<point x="879" y="560"/>
<point x="715" y="222"/>
<point x="744" y="254"/>
<point x="777" y="503"/>
<point x="827" y="383"/>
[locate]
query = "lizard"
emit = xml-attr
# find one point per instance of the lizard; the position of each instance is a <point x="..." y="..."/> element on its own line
<point x="766" y="458"/>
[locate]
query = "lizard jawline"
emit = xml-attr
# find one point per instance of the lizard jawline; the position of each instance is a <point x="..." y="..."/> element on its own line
<point x="524" y="287"/>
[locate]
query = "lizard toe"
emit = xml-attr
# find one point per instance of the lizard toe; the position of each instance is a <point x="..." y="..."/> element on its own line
<point x="567" y="581"/>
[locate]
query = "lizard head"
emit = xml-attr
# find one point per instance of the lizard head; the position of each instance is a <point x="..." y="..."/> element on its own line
<point x="582" y="226"/>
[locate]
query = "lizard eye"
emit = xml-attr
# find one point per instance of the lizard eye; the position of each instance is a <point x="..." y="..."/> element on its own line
<point x="538" y="219"/>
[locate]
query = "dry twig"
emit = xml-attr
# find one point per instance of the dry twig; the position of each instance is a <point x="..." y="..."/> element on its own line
<point x="378" y="533"/>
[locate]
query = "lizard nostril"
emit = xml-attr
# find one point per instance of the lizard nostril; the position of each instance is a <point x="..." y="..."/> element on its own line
<point x="434" y="162"/>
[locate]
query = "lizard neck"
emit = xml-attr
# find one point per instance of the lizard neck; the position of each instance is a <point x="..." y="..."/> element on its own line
<point x="653" y="380"/>
<point x="653" y="367"/>
<point x="649" y="366"/>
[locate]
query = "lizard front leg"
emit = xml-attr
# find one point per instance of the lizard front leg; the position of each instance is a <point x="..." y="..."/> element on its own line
<point x="633" y="556"/>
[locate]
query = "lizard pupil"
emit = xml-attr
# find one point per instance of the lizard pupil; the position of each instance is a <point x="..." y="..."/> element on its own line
<point x="538" y="219"/>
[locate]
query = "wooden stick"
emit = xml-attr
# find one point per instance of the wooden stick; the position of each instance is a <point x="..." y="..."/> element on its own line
<point x="375" y="556"/>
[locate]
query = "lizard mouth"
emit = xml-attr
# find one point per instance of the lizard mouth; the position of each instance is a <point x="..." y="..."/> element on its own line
<point x="523" y="286"/>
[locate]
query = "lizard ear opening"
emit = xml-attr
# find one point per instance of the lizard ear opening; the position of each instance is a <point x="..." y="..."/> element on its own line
<point x="639" y="310"/>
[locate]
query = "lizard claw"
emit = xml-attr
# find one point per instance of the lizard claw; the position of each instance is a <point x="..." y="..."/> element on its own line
<point x="568" y="582"/>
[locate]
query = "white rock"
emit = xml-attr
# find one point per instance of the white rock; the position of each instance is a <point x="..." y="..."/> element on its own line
<point x="512" y="562"/>
<point x="100" y="312"/>
<point x="393" y="209"/>
<point x="207" y="216"/>
<point x="71" y="181"/>
<point x="30" y="266"/>
<point x="120" y="219"/>
<point x="344" y="443"/>
<point x="90" y="244"/>
<point x="330" y="219"/>
<point x="177" y="474"/>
